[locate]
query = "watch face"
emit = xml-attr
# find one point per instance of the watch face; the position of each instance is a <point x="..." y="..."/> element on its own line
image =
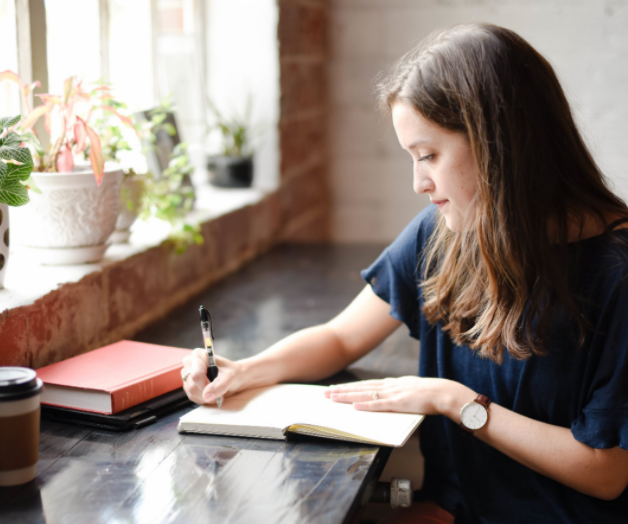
<point x="473" y="415"/>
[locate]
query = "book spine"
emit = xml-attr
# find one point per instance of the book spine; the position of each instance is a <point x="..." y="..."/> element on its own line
<point x="146" y="389"/>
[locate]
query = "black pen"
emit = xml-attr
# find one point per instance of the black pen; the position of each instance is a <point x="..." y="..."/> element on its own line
<point x="208" y="338"/>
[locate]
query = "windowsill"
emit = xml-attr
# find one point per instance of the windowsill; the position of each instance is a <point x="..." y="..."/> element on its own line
<point x="27" y="281"/>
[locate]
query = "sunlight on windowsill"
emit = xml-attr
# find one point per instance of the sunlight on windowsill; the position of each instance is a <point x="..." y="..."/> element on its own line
<point x="26" y="280"/>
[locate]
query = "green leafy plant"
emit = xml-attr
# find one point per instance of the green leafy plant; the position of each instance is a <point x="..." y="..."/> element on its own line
<point x="235" y="130"/>
<point x="167" y="199"/>
<point x="110" y="127"/>
<point x="16" y="164"/>
<point x="119" y="133"/>
<point x="157" y="122"/>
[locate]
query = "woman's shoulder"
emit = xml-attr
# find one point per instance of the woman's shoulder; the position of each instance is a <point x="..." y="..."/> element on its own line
<point x="607" y="253"/>
<point x="601" y="268"/>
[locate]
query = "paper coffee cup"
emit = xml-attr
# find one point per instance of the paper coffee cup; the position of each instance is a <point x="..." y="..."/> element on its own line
<point x="20" y="390"/>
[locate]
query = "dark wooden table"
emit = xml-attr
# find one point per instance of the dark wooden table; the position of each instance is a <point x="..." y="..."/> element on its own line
<point x="155" y="475"/>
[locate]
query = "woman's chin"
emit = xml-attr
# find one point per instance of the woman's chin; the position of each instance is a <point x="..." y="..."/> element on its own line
<point x="452" y="224"/>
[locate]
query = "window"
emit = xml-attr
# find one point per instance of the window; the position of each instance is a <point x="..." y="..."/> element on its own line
<point x="179" y="64"/>
<point x="131" y="68"/>
<point x="73" y="42"/>
<point x="9" y="92"/>
<point x="148" y="49"/>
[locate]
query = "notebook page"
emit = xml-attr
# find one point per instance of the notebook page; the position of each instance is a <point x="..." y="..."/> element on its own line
<point x="287" y="405"/>
<point x="392" y="429"/>
<point x="249" y="411"/>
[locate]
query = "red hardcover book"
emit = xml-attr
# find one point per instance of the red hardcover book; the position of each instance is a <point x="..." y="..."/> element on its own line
<point x="113" y="378"/>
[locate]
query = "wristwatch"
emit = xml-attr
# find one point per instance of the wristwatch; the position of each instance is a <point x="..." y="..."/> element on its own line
<point x="474" y="415"/>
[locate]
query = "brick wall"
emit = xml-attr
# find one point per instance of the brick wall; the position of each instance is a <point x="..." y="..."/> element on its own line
<point x="303" y="54"/>
<point x="125" y="296"/>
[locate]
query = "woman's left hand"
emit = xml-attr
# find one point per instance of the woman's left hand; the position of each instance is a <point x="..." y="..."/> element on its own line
<point x="427" y="396"/>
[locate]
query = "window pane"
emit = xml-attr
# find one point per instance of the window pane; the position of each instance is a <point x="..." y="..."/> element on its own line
<point x="243" y="62"/>
<point x="179" y="66"/>
<point x="130" y="52"/>
<point x="73" y="41"/>
<point x="9" y="92"/>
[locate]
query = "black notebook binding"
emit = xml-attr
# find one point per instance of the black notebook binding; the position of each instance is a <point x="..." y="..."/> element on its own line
<point x="136" y="417"/>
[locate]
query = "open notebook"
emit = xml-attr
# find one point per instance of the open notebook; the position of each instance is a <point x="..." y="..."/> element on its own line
<point x="271" y="412"/>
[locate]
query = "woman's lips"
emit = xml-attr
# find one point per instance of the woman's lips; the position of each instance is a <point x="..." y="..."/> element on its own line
<point x="440" y="203"/>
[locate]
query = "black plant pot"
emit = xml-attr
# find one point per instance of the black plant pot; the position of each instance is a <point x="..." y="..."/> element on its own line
<point x="230" y="171"/>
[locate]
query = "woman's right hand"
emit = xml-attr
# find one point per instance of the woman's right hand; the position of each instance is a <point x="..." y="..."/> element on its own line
<point x="198" y="387"/>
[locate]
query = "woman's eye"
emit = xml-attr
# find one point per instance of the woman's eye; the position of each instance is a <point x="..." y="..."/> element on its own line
<point x="425" y="158"/>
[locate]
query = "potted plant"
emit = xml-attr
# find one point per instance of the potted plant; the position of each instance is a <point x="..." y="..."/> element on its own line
<point x="233" y="167"/>
<point x="121" y="143"/>
<point x="16" y="164"/>
<point x="166" y="195"/>
<point x="76" y="212"/>
<point x="169" y="199"/>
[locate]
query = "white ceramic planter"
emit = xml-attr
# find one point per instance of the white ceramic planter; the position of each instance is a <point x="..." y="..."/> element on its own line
<point x="132" y="189"/>
<point x="70" y="222"/>
<point x="4" y="241"/>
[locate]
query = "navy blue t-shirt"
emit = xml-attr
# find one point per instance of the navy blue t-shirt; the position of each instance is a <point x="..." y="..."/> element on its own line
<point x="583" y="389"/>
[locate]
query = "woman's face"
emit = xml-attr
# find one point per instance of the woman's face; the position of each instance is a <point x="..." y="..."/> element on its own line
<point x="443" y="163"/>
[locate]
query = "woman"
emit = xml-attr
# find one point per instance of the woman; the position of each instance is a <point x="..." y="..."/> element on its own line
<point x="514" y="281"/>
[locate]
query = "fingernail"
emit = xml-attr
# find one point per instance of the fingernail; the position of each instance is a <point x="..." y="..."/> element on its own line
<point x="209" y="397"/>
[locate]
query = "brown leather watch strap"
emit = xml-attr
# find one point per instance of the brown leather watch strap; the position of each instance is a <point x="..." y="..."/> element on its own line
<point x="483" y="400"/>
<point x="466" y="431"/>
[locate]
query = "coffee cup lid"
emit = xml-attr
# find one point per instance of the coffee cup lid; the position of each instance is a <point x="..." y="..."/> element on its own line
<point x="17" y="383"/>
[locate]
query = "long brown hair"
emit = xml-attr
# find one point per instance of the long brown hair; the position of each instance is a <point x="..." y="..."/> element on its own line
<point x="497" y="284"/>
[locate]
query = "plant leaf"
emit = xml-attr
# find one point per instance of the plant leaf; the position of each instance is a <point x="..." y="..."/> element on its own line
<point x="95" y="154"/>
<point x="18" y="162"/>
<point x="19" y="154"/>
<point x="28" y="89"/>
<point x="31" y="139"/>
<point x="50" y="99"/>
<point x="29" y="184"/>
<point x="67" y="89"/>
<point x="12" y="140"/>
<point x="13" y="193"/>
<point x="65" y="160"/>
<point x="8" y="121"/>
<point x="10" y="75"/>
<point x="124" y="119"/>
<point x="3" y="172"/>
<point x="80" y="135"/>
<point x="34" y="115"/>
<point x="48" y="121"/>
<point x="20" y="171"/>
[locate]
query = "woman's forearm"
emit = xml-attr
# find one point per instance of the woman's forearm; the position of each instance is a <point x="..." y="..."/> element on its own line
<point x="318" y="352"/>
<point x="307" y="355"/>
<point x="549" y="450"/>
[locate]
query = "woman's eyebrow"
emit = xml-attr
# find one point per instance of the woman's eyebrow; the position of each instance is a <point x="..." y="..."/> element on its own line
<point x="417" y="143"/>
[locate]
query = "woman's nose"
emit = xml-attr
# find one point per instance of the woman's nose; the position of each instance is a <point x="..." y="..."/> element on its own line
<point x="422" y="183"/>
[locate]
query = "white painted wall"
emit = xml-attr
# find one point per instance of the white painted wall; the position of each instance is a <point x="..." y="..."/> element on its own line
<point x="585" y="40"/>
